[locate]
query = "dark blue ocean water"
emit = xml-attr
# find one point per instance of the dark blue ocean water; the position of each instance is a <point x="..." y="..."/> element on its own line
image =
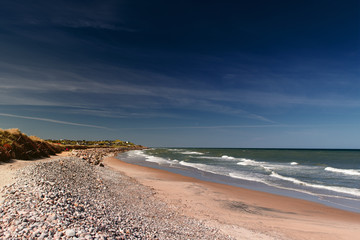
<point x="331" y="177"/>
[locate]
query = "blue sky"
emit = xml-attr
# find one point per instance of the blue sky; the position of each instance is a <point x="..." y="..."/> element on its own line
<point x="183" y="73"/>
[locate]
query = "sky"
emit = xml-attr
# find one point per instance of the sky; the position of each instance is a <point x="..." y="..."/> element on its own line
<point x="252" y="74"/>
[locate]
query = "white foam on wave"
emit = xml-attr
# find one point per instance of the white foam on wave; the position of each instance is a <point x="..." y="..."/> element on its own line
<point x="222" y="158"/>
<point x="294" y="163"/>
<point x="192" y="153"/>
<point x="174" y="149"/>
<point x="136" y="153"/>
<point x="158" y="160"/>
<point x="199" y="166"/>
<point x="351" y="191"/>
<point x="268" y="169"/>
<point x="246" y="177"/>
<point x="352" y="172"/>
<point x="148" y="158"/>
<point x="207" y="157"/>
<point x="248" y="162"/>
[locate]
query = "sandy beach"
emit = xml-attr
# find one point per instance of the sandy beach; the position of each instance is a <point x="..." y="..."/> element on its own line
<point x="242" y="213"/>
<point x="141" y="201"/>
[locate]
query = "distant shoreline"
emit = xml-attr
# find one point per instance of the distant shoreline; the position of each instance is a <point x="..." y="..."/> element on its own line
<point x="260" y="148"/>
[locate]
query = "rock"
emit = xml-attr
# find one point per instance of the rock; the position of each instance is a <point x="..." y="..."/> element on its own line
<point x="70" y="232"/>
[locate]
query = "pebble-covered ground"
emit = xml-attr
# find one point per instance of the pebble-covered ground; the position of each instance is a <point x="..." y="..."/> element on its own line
<point x="71" y="199"/>
<point x="96" y="155"/>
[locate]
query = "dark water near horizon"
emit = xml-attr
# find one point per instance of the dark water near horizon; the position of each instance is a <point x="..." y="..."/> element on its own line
<point x="330" y="177"/>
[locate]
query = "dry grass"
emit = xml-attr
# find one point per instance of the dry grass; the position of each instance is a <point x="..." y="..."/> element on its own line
<point x="16" y="145"/>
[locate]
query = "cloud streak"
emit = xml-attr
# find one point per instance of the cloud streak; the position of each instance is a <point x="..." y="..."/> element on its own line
<point x="134" y="82"/>
<point x="209" y="127"/>
<point x="131" y="96"/>
<point x="52" y="121"/>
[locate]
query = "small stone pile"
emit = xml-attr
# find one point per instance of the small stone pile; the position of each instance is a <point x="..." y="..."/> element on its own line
<point x="71" y="199"/>
<point x="95" y="155"/>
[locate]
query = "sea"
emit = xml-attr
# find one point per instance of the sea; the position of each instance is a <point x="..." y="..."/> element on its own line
<point x="329" y="177"/>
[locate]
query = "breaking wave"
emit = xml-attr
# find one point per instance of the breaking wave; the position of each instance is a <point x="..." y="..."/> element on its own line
<point x="199" y="166"/>
<point x="192" y="153"/>
<point x="352" y="172"/>
<point x="351" y="191"/>
<point x="249" y="162"/>
<point x="246" y="177"/>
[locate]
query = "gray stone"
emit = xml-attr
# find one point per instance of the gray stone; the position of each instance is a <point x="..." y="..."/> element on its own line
<point x="70" y="232"/>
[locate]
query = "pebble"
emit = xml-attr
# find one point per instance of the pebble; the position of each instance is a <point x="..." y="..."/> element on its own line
<point x="70" y="198"/>
<point x="70" y="232"/>
<point x="96" y="155"/>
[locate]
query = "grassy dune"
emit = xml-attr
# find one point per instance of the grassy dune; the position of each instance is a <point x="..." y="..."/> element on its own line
<point x="16" y="145"/>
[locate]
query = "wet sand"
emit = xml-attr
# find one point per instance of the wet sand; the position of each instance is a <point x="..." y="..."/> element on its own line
<point x="243" y="213"/>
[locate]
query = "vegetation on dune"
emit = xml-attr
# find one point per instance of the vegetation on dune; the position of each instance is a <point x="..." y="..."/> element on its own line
<point x="78" y="144"/>
<point x="16" y="145"/>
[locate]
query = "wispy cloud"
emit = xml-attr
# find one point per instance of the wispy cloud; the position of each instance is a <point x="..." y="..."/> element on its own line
<point x="200" y="103"/>
<point x="8" y="98"/>
<point x="304" y="128"/>
<point x="134" y="82"/>
<point x="52" y="121"/>
<point x="210" y="127"/>
<point x="273" y="99"/>
<point x="131" y="95"/>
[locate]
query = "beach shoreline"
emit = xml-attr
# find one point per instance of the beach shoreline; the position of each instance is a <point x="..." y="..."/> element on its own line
<point x="329" y="178"/>
<point x="231" y="211"/>
<point x="243" y="213"/>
